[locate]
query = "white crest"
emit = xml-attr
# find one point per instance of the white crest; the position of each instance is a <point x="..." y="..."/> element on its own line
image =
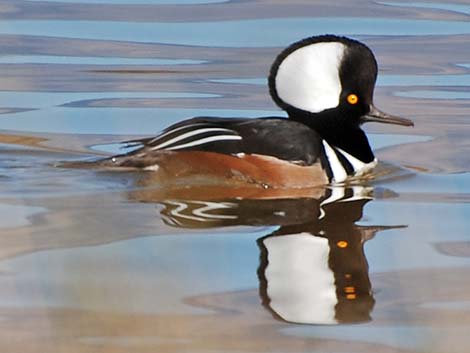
<point x="308" y="78"/>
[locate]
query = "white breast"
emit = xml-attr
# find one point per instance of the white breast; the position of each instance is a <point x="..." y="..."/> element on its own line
<point x="339" y="171"/>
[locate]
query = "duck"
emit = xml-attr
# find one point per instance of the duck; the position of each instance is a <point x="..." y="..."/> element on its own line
<point x="324" y="83"/>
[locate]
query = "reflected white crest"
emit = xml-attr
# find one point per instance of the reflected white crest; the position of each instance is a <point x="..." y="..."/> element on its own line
<point x="300" y="284"/>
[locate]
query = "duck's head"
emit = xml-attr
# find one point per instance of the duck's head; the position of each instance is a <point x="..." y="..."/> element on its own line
<point x="328" y="76"/>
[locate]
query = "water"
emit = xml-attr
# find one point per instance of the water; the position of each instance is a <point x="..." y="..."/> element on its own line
<point x="112" y="262"/>
<point x="244" y="33"/>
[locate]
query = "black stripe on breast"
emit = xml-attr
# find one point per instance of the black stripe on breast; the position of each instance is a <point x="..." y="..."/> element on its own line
<point x="344" y="162"/>
<point x="325" y="163"/>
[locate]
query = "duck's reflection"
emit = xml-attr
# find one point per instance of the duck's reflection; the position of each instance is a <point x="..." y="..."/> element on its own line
<point x="313" y="269"/>
<point x="316" y="272"/>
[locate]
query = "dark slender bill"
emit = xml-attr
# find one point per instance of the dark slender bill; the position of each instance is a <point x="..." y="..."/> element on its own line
<point x="378" y="116"/>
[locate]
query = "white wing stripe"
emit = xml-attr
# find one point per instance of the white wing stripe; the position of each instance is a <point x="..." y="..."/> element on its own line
<point x="192" y="133"/>
<point x="205" y="140"/>
<point x="172" y="131"/>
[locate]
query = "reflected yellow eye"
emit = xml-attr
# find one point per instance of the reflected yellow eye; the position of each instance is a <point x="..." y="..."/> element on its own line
<point x="352" y="99"/>
<point x="342" y="244"/>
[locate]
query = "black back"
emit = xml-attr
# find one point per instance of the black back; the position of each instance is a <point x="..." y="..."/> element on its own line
<point x="271" y="136"/>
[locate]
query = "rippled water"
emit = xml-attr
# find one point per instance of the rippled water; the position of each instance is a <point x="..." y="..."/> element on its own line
<point x="93" y="261"/>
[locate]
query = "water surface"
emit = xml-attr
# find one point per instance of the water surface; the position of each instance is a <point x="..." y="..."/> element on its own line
<point x="116" y="262"/>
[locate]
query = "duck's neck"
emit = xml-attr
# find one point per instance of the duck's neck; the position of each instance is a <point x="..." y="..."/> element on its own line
<point x="338" y="133"/>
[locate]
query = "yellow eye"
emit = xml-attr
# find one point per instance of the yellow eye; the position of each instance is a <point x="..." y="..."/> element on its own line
<point x="352" y="99"/>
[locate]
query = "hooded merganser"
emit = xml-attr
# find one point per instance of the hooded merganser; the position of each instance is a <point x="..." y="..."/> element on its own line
<point x="324" y="83"/>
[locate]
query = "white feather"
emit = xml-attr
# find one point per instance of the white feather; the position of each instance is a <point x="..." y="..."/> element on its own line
<point x="184" y="127"/>
<point x="339" y="173"/>
<point x="204" y="141"/>
<point x="300" y="283"/>
<point x="211" y="206"/>
<point x="181" y="206"/>
<point x="189" y="134"/>
<point x="308" y="78"/>
<point x="360" y="168"/>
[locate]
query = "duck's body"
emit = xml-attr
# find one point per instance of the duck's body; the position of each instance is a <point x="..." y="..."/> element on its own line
<point x="276" y="152"/>
<point x="325" y="84"/>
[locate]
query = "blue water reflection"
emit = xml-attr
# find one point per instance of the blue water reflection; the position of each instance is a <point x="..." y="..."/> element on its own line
<point x="114" y="121"/>
<point x="396" y="250"/>
<point x="35" y="100"/>
<point x="246" y="33"/>
<point x="424" y="80"/>
<point x="17" y="215"/>
<point x="137" y="2"/>
<point x="92" y="60"/>
<point x="228" y="259"/>
<point x="433" y="94"/>
<point x="461" y="8"/>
